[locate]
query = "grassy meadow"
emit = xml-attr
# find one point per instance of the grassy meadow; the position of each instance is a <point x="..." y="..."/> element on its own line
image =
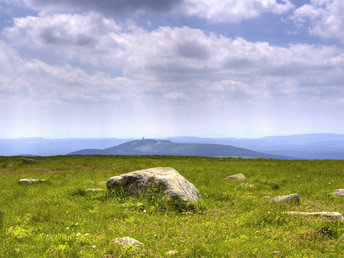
<point x="58" y="218"/>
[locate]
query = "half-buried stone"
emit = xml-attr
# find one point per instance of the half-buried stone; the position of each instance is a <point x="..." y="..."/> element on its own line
<point x="323" y="214"/>
<point x="165" y="179"/>
<point x="31" y="181"/>
<point x="291" y="198"/>
<point x="126" y="241"/>
<point x="87" y="190"/>
<point x="239" y="176"/>
<point x="338" y="192"/>
<point x="29" y="161"/>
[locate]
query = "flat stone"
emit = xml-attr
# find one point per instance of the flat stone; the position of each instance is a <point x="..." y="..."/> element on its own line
<point x="29" y="161"/>
<point x="125" y="241"/>
<point x="338" y="192"/>
<point x="295" y="198"/>
<point x="324" y="214"/>
<point x="31" y="181"/>
<point x="94" y="190"/>
<point x="164" y="179"/>
<point x="239" y="176"/>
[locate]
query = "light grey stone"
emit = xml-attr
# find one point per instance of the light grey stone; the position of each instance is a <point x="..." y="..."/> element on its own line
<point x="167" y="179"/>
<point x="125" y="241"/>
<point x="239" y="176"/>
<point x="338" y="192"/>
<point x="31" y="181"/>
<point x="94" y="190"/>
<point x="324" y="214"/>
<point x="295" y="198"/>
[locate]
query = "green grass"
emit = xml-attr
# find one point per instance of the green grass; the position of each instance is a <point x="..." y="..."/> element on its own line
<point x="58" y="218"/>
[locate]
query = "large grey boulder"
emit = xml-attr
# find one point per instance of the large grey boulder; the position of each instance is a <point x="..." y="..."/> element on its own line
<point x="323" y="214"/>
<point x="294" y="198"/>
<point x="125" y="241"/>
<point x="338" y="192"/>
<point x="168" y="180"/>
<point x="239" y="176"/>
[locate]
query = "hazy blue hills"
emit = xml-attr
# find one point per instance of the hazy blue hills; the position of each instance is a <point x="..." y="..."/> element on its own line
<point x="164" y="147"/>
<point x="49" y="147"/>
<point x="303" y="146"/>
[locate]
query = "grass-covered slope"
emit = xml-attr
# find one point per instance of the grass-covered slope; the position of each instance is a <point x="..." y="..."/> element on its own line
<point x="163" y="147"/>
<point x="58" y="218"/>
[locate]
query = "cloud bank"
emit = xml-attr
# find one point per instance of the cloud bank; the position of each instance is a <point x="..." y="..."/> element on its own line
<point x="173" y="62"/>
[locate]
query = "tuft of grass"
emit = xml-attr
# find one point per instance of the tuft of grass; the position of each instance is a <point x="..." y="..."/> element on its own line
<point x="79" y="192"/>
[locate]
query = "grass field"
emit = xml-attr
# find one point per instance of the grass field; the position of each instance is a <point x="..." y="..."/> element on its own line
<point x="58" y="218"/>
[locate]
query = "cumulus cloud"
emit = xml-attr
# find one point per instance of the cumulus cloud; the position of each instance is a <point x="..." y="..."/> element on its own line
<point x="322" y="18"/>
<point x="233" y="10"/>
<point x="33" y="81"/>
<point x="214" y="11"/>
<point x="110" y="7"/>
<point x="176" y="64"/>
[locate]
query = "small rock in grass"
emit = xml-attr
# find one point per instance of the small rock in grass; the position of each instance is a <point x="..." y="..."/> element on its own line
<point x="323" y="214"/>
<point x="338" y="192"/>
<point x="277" y="253"/>
<point x="172" y="252"/>
<point x="239" y="176"/>
<point x="29" y="161"/>
<point x="125" y="241"/>
<point x="246" y="185"/>
<point x="94" y="190"/>
<point x="294" y="198"/>
<point x="31" y="181"/>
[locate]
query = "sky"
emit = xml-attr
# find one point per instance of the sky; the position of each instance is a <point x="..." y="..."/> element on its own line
<point x="157" y="68"/>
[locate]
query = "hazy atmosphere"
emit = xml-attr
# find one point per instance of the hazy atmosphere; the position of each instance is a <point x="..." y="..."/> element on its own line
<point x="171" y="128"/>
<point x="159" y="68"/>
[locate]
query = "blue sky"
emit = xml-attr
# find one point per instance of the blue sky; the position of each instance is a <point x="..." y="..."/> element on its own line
<point x="155" y="68"/>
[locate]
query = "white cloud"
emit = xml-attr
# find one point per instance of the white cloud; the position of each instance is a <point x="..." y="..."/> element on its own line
<point x="214" y="11"/>
<point x="322" y="17"/>
<point x="128" y="63"/>
<point x="234" y="10"/>
<point x="110" y="7"/>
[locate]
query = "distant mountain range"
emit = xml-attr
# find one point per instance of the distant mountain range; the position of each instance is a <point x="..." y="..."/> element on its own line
<point x="37" y="146"/>
<point x="303" y="146"/>
<point x="164" y="147"/>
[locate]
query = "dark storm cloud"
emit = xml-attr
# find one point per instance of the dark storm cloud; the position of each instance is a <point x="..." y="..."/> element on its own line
<point x="110" y="7"/>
